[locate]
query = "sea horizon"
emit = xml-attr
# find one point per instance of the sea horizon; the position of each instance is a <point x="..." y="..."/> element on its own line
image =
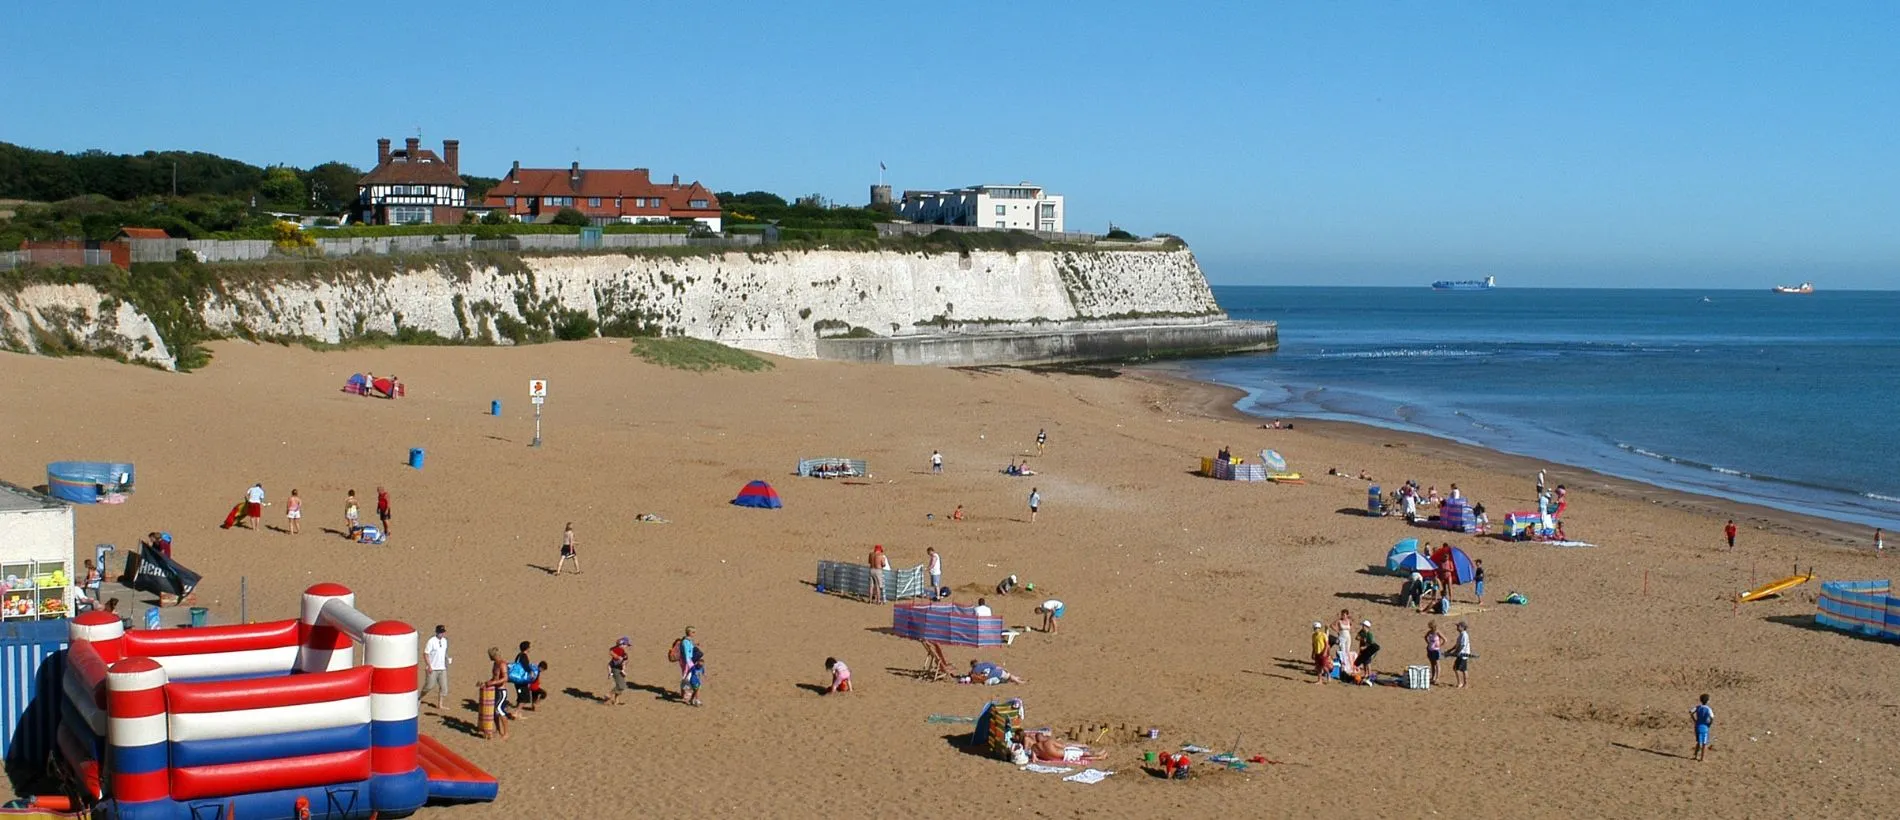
<point x="1755" y="397"/>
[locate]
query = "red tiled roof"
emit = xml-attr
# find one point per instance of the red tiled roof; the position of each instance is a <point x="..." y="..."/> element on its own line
<point x="143" y="233"/>
<point x="608" y="185"/>
<point x="425" y="168"/>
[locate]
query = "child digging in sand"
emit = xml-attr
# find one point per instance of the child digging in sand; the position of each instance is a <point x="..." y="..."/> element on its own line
<point x="840" y="676"/>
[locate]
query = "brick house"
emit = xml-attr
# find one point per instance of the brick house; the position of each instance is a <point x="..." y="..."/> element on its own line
<point x="413" y="186"/>
<point x="605" y="196"/>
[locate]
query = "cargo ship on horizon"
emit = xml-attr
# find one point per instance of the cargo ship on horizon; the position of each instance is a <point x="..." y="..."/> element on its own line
<point x="1487" y="283"/>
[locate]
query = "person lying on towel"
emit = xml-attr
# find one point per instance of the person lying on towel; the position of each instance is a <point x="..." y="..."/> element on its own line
<point x="989" y="674"/>
<point x="1044" y="748"/>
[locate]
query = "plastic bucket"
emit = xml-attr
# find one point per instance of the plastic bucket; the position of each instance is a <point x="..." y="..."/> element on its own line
<point x="494" y="407"/>
<point x="416" y="455"/>
<point x="1148" y="757"/>
<point x="199" y="615"/>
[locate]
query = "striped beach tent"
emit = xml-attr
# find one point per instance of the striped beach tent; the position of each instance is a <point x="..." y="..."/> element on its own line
<point x="945" y="623"/>
<point x="758" y="494"/>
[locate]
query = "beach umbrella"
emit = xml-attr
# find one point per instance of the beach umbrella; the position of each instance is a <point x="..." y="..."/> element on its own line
<point x="1416" y="562"/>
<point x="1461" y="570"/>
<point x="1398" y="552"/>
<point x="1273" y="460"/>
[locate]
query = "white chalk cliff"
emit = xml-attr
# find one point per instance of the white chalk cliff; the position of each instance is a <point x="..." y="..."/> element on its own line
<point x="778" y="302"/>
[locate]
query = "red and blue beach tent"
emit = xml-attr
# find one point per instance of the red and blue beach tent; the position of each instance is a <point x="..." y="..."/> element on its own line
<point x="758" y="494"/>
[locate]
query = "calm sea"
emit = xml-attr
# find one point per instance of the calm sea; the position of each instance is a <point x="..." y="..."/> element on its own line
<point x="1787" y="401"/>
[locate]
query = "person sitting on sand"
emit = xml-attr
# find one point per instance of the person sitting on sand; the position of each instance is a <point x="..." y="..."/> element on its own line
<point x="840" y="676"/>
<point x="1006" y="586"/>
<point x="1043" y="747"/>
<point x="1365" y="476"/>
<point x="983" y="608"/>
<point x="957" y="515"/>
<point x="989" y="674"/>
<point x="1413" y="590"/>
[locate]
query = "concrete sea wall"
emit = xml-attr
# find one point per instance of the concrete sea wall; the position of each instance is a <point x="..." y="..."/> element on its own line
<point x="790" y="303"/>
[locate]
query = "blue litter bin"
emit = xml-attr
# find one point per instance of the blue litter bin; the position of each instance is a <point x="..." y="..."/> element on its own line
<point x="494" y="407"/>
<point x="415" y="457"/>
<point x="199" y="615"/>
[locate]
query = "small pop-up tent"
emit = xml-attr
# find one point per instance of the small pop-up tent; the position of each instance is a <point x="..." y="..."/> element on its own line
<point x="1398" y="555"/>
<point x="758" y="494"/>
<point x="1461" y="570"/>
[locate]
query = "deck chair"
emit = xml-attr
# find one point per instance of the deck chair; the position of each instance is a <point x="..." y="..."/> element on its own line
<point x="936" y="668"/>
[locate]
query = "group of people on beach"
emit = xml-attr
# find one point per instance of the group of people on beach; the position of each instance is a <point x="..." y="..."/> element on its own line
<point x="1343" y="652"/>
<point x="250" y="512"/>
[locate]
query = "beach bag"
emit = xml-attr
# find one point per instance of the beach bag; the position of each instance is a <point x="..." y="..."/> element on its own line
<point x="519" y="673"/>
<point x="673" y="652"/>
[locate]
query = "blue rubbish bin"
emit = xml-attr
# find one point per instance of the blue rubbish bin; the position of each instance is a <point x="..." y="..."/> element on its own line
<point x="199" y="615"/>
<point x="494" y="407"/>
<point x="415" y="457"/>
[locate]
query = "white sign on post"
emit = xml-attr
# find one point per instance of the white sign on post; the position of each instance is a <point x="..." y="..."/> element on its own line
<point x="537" y="393"/>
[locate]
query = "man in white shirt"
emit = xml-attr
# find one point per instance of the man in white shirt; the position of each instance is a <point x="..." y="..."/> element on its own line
<point x="936" y="571"/>
<point x="254" y="506"/>
<point x="936" y="462"/>
<point x="435" y="656"/>
<point x="983" y="608"/>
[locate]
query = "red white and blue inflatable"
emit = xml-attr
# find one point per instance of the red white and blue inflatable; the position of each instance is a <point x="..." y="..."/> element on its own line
<point x="258" y="721"/>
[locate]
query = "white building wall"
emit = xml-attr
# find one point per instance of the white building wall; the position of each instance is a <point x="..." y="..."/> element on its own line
<point x="978" y="207"/>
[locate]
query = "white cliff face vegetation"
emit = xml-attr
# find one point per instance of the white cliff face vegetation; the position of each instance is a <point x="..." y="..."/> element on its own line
<point x="778" y="303"/>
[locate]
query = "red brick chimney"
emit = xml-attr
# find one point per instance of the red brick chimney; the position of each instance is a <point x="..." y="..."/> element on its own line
<point x="574" y="172"/>
<point x="414" y="146"/>
<point x="382" y="151"/>
<point x="452" y="154"/>
<point x="515" y="174"/>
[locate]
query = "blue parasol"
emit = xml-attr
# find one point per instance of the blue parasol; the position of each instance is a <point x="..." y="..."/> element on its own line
<point x="1273" y="460"/>
<point x="1416" y="562"/>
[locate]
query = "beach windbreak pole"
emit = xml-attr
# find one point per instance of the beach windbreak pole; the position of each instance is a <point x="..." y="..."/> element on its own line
<point x="537" y="393"/>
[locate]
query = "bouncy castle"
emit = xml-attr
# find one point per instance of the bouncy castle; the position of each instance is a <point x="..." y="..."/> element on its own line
<point x="258" y="721"/>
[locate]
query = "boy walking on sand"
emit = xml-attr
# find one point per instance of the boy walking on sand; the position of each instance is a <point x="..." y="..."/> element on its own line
<point x="617" y="668"/>
<point x="1704" y="718"/>
<point x="567" y="551"/>
<point x="382" y="508"/>
<point x="1035" y="502"/>
<point x="936" y="462"/>
<point x="1729" y="531"/>
<point x="1477" y="579"/>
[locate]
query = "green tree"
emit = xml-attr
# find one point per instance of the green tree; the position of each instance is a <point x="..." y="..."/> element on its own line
<point x="283" y="188"/>
<point x="332" y="185"/>
<point x="497" y="217"/>
<point x="570" y="216"/>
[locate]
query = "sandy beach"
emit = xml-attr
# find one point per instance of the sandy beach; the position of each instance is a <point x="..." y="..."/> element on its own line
<point x="1189" y="599"/>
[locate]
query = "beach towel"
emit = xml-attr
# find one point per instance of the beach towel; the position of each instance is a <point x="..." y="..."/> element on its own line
<point x="237" y="511"/>
<point x="1088" y="776"/>
<point x="1038" y="768"/>
<point x="1566" y="543"/>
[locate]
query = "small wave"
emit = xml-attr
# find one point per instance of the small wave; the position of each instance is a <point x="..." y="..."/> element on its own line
<point x="1734" y="473"/>
<point x="1402" y="353"/>
<point x="1879" y="497"/>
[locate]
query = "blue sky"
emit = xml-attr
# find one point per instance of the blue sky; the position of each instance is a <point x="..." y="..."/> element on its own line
<point x="1627" y="144"/>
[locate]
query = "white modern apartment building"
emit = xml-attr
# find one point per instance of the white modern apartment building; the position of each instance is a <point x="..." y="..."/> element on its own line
<point x="1022" y="207"/>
